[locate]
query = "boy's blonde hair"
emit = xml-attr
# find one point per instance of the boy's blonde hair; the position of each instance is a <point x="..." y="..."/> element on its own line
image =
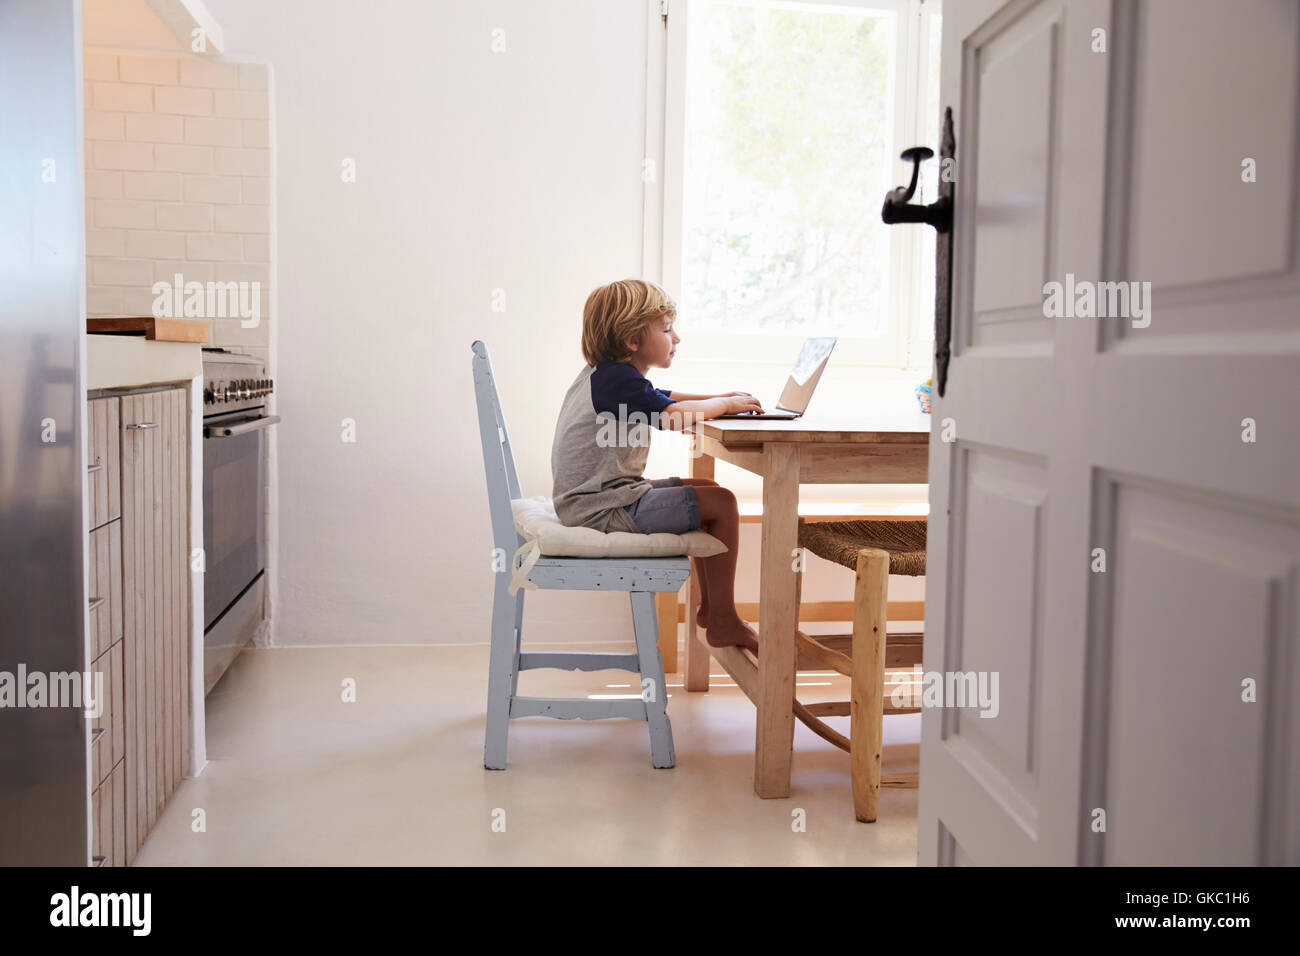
<point x="618" y="311"/>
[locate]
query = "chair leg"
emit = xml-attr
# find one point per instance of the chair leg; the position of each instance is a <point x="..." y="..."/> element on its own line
<point x="666" y="607"/>
<point x="503" y="672"/>
<point x="867" y="709"/>
<point x="646" y="625"/>
<point x="519" y="637"/>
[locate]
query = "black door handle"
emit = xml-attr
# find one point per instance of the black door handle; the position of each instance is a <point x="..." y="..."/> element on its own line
<point x="897" y="208"/>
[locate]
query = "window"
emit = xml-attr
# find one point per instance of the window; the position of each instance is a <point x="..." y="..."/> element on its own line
<point x="784" y="120"/>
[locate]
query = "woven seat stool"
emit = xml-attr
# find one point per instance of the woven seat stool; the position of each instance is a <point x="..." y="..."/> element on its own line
<point x="873" y="549"/>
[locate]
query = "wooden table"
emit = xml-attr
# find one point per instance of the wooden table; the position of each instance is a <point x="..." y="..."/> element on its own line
<point x="875" y="449"/>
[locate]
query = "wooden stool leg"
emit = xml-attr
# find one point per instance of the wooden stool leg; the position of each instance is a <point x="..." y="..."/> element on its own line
<point x="798" y="586"/>
<point x="867" y="710"/>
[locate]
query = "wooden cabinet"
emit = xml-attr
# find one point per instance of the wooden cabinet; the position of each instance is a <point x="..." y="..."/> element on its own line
<point x="155" y="583"/>
<point x="140" y="622"/>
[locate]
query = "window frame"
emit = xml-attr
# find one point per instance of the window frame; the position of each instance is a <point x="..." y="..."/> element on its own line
<point x="904" y="348"/>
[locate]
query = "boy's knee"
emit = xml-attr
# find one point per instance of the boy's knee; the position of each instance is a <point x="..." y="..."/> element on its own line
<point x="721" y="499"/>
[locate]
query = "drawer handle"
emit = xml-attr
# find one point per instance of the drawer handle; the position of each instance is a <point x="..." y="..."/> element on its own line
<point x="96" y="602"/>
<point x="95" y="734"/>
<point x="97" y="860"/>
<point x="144" y="425"/>
<point x="94" y="468"/>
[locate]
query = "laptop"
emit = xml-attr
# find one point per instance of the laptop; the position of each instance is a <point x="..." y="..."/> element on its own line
<point x="800" y="385"/>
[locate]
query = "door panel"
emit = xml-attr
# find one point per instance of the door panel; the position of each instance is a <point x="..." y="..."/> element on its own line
<point x="1198" y="598"/>
<point x="1253" y="108"/>
<point x="1012" y="90"/>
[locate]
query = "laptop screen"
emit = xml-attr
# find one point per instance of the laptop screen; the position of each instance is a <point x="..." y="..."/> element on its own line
<point x="805" y="374"/>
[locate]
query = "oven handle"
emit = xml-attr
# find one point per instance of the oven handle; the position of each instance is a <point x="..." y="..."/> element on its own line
<point x="240" y="428"/>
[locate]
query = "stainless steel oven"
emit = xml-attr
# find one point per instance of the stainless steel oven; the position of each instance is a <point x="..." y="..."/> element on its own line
<point x="235" y="423"/>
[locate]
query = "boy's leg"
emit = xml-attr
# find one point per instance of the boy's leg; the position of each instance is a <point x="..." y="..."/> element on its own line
<point x="701" y="572"/>
<point x="720" y="517"/>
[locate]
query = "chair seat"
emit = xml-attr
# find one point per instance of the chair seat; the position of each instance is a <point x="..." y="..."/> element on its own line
<point x="840" y="541"/>
<point x="610" y="574"/>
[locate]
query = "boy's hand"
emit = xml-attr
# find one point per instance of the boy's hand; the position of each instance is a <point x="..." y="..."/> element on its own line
<point x="684" y="413"/>
<point x="741" y="402"/>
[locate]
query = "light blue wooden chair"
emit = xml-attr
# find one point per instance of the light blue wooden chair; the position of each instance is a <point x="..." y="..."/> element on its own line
<point x="640" y="577"/>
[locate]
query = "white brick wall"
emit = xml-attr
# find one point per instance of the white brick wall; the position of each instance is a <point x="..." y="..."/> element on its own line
<point x="177" y="181"/>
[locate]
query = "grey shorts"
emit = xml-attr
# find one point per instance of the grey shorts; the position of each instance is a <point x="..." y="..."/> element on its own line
<point x="668" y="506"/>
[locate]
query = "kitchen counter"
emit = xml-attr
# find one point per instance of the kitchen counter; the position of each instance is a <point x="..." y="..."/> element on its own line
<point x="117" y="367"/>
<point x="131" y="361"/>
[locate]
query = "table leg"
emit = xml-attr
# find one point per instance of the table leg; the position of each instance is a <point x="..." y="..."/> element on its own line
<point x="696" y="676"/>
<point x="774" y="739"/>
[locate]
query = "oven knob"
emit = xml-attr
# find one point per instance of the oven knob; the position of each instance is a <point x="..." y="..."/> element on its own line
<point x="209" y="394"/>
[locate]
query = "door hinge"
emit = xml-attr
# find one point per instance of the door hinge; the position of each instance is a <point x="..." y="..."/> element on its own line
<point x="663" y="10"/>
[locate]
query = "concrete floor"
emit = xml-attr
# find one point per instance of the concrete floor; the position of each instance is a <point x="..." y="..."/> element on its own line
<point x="297" y="776"/>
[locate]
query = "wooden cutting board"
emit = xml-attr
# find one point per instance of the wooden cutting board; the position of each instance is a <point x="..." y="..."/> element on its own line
<point x="161" y="330"/>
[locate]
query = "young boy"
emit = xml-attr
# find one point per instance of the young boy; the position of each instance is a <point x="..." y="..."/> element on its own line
<point x="602" y="440"/>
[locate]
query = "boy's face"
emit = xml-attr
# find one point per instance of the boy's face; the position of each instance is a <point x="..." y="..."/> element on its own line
<point x="659" y="345"/>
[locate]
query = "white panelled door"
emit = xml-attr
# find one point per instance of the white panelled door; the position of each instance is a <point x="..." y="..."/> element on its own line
<point x="1115" y="516"/>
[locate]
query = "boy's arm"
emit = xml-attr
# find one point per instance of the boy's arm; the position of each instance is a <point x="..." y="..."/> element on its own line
<point x="687" y="397"/>
<point x="683" y="414"/>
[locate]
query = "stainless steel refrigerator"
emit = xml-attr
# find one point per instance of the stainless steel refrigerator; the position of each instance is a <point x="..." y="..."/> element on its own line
<point x="44" y="815"/>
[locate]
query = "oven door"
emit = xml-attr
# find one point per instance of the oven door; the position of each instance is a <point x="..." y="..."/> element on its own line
<point x="234" y="506"/>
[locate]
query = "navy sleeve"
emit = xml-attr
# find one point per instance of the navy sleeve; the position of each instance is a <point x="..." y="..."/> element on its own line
<point x="618" y="384"/>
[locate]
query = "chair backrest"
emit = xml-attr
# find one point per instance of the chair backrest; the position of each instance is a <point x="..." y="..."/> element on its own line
<point x="498" y="459"/>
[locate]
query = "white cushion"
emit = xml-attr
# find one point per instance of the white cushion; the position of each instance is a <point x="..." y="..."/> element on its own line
<point x="535" y="520"/>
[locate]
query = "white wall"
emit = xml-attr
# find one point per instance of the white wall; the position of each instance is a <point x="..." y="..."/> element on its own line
<point x="476" y="171"/>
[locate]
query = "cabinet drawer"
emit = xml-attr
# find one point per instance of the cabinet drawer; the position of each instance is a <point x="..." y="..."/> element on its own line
<point x="108" y="815"/>
<point x="104" y="591"/>
<point x="108" y="730"/>
<point x="103" y="460"/>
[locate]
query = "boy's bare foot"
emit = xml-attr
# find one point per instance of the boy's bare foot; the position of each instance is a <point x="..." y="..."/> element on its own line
<point x="734" y="633"/>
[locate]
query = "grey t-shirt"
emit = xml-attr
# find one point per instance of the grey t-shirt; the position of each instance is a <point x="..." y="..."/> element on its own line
<point x="602" y="440"/>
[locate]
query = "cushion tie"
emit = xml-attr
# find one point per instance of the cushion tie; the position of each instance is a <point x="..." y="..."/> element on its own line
<point x="519" y="577"/>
